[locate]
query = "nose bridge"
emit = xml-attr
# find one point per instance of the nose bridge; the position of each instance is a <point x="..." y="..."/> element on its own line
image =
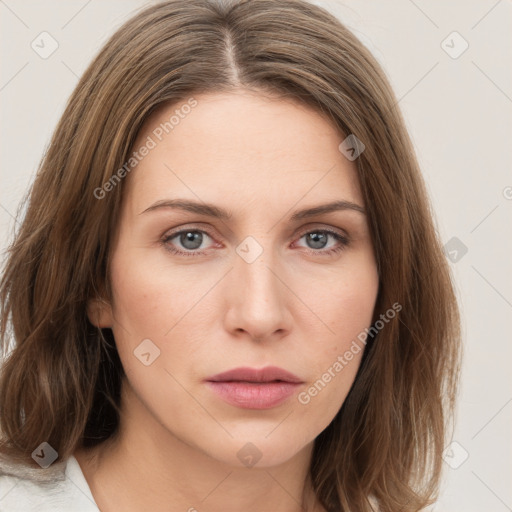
<point x="259" y="303"/>
<point x="258" y="282"/>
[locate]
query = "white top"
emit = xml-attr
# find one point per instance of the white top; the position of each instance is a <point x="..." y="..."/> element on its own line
<point x="68" y="492"/>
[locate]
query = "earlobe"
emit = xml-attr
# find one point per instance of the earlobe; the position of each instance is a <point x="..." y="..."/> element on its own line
<point x="99" y="313"/>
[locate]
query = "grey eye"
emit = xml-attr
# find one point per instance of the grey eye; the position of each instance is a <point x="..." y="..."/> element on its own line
<point x="317" y="239"/>
<point x="191" y="240"/>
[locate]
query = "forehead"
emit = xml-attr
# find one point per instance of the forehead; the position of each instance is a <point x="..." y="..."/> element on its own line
<point x="241" y="148"/>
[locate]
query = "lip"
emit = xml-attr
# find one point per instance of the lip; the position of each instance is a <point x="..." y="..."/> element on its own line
<point x="246" y="374"/>
<point x="251" y="388"/>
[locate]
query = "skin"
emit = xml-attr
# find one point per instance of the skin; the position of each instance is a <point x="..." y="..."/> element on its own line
<point x="296" y="307"/>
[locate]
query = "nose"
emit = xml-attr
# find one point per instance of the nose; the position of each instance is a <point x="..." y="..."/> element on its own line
<point x="258" y="301"/>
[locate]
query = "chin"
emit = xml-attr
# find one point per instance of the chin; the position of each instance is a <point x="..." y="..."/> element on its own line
<point x="260" y="451"/>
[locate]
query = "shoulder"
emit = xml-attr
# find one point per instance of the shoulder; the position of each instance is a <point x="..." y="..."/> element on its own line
<point x="60" y="490"/>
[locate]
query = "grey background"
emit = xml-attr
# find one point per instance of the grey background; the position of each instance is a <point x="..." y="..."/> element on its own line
<point x="458" y="111"/>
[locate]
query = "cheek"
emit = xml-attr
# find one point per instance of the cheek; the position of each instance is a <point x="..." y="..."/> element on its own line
<point x="154" y="311"/>
<point x="148" y="305"/>
<point x="346" y="306"/>
<point x="168" y="306"/>
<point x="346" y="300"/>
<point x="150" y="297"/>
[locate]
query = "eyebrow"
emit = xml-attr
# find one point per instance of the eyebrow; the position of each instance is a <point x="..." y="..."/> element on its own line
<point x="211" y="210"/>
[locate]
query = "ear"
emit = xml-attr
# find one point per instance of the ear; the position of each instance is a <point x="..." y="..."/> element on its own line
<point x="99" y="313"/>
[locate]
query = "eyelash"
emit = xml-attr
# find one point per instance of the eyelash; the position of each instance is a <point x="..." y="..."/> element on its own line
<point x="343" y="242"/>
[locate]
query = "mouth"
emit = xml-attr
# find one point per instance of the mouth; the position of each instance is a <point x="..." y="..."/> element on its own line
<point x="250" y="388"/>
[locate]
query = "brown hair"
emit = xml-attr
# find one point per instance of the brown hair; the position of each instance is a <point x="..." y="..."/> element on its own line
<point x="61" y="381"/>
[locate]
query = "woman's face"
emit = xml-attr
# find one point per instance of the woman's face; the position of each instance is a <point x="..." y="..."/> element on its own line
<point x="258" y="281"/>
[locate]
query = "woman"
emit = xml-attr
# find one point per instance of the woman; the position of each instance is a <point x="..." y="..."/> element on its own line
<point x="227" y="292"/>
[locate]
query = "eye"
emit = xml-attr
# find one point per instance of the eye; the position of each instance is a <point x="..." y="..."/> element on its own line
<point x="318" y="239"/>
<point x="186" y="242"/>
<point x="189" y="239"/>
